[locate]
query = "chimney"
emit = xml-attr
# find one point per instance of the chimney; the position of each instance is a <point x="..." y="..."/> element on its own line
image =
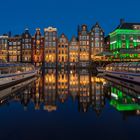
<point x="122" y="21"/>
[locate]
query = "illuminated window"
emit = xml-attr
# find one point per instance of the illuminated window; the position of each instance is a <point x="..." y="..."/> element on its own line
<point x="101" y="44"/>
<point x="96" y="30"/>
<point x="96" y="34"/>
<point x="131" y="38"/>
<point x="97" y="44"/>
<point x="38" y="37"/>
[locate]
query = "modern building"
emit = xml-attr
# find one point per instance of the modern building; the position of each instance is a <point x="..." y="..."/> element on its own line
<point x="50" y="46"/>
<point x="14" y="48"/>
<point x="26" y="49"/>
<point x="96" y="42"/>
<point x="84" y="46"/>
<point x="73" y="52"/>
<point x="4" y="47"/>
<point x="62" y="51"/>
<point x="38" y="48"/>
<point x="124" y="41"/>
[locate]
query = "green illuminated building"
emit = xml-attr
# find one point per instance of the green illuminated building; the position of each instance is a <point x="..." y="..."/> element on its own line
<point x="123" y="102"/>
<point x="125" y="41"/>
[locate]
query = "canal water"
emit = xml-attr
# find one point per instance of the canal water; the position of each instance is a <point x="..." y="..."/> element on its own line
<point x="68" y="105"/>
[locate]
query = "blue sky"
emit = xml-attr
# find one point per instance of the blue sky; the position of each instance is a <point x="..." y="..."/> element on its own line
<point x="65" y="14"/>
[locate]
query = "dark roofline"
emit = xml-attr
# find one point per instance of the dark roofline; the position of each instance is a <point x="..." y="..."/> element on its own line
<point x="125" y="25"/>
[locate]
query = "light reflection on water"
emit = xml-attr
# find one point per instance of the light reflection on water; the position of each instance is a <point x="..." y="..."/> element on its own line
<point x="70" y="93"/>
<point x="59" y="86"/>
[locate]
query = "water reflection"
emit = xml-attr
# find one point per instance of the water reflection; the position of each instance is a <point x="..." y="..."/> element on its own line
<point x="11" y="92"/>
<point x="123" y="96"/>
<point x="81" y="86"/>
<point x="87" y="91"/>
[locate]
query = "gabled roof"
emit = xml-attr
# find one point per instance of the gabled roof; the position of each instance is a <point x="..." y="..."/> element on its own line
<point x="96" y="25"/>
<point x="63" y="36"/>
<point x="73" y="39"/>
<point x="26" y="32"/>
<point x="81" y="28"/>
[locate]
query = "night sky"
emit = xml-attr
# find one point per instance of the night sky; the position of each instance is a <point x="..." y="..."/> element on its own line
<point x="65" y="14"/>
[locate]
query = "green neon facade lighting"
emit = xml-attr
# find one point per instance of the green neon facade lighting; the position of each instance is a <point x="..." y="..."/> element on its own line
<point x="124" y="31"/>
<point x="124" y="39"/>
<point x="117" y="91"/>
<point x="127" y="43"/>
<point x="135" y="44"/>
<point x="119" y="103"/>
<point x="120" y="43"/>
<point x="124" y="107"/>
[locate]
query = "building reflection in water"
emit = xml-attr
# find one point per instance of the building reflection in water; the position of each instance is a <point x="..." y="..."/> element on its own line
<point x="59" y="85"/>
<point x="56" y="86"/>
<point x="62" y="85"/>
<point x="50" y="90"/>
<point x="73" y="84"/>
<point x="123" y="96"/>
<point x="89" y="91"/>
<point x="84" y="90"/>
<point x="97" y="94"/>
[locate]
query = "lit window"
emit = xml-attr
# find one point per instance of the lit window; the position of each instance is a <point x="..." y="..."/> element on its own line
<point x="97" y="44"/>
<point x="131" y="38"/>
<point x="96" y="34"/>
<point x="96" y="39"/>
<point x="96" y="30"/>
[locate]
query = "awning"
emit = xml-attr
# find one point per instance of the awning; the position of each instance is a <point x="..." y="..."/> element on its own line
<point x="105" y="54"/>
<point x="129" y="51"/>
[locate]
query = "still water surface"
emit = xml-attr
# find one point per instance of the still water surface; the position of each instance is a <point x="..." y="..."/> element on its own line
<point x="66" y="105"/>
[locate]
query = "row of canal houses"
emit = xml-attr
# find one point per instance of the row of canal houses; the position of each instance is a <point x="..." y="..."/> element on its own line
<point x="60" y="86"/>
<point x="49" y="50"/>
